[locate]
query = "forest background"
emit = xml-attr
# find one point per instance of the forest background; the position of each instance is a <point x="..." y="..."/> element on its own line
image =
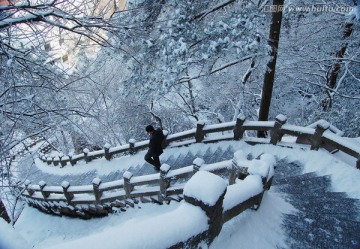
<point x="89" y="73"/>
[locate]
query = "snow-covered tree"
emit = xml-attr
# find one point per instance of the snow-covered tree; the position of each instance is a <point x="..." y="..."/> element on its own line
<point x="181" y="47"/>
<point x="36" y="92"/>
<point x="307" y="53"/>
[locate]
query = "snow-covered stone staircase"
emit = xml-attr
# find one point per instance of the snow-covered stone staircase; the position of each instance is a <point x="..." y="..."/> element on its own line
<point x="324" y="219"/>
<point x="172" y="157"/>
<point x="186" y="159"/>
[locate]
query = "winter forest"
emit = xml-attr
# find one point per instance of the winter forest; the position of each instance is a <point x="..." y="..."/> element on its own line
<point x="83" y="74"/>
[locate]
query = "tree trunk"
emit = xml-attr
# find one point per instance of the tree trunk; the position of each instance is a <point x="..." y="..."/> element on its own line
<point x="333" y="72"/>
<point x="269" y="77"/>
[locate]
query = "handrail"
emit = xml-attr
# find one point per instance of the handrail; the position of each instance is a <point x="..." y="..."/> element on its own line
<point x="149" y="188"/>
<point x="100" y="198"/>
<point x="318" y="135"/>
<point x="138" y="185"/>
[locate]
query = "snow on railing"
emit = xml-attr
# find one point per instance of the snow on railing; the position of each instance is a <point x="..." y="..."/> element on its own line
<point x="247" y="181"/>
<point x="319" y="134"/>
<point x="157" y="187"/>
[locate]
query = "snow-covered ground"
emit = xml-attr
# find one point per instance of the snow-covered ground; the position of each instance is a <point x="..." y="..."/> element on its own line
<point x="251" y="229"/>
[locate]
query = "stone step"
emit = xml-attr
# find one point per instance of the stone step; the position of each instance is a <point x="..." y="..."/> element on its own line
<point x="183" y="160"/>
<point x="170" y="160"/>
<point x="214" y="157"/>
<point x="284" y="168"/>
<point x="323" y="232"/>
<point x="178" y="161"/>
<point x="228" y="153"/>
<point x="310" y="186"/>
<point x="113" y="176"/>
<point x="292" y="179"/>
<point x="344" y="208"/>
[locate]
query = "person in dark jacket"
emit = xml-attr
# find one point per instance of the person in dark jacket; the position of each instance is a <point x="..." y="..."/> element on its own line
<point x="155" y="146"/>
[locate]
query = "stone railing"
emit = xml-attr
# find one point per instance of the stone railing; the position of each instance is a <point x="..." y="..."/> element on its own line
<point x="320" y="134"/>
<point x="244" y="189"/>
<point x="102" y="198"/>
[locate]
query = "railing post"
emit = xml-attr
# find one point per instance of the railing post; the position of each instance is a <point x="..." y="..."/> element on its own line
<point x="41" y="155"/>
<point x="164" y="181"/>
<point x="96" y="186"/>
<point x="199" y="135"/>
<point x="239" y="129"/>
<point x="127" y="184"/>
<point x="107" y="151"/>
<point x="197" y="163"/>
<point x="56" y="160"/>
<point x="52" y="160"/>
<point x="214" y="208"/>
<point x="132" y="146"/>
<point x="358" y="162"/>
<point x="48" y="160"/>
<point x="42" y="185"/>
<point x="62" y="162"/>
<point x="234" y="172"/>
<point x="72" y="162"/>
<point x="275" y="134"/>
<point x="27" y="184"/>
<point x="238" y="172"/>
<point x="321" y="127"/>
<point x="86" y="155"/>
<point x="165" y="142"/>
<point x="69" y="196"/>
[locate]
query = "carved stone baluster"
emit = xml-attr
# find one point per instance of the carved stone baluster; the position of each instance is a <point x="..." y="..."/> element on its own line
<point x="86" y="155"/>
<point x="321" y="127"/>
<point x="107" y="151"/>
<point x="197" y="163"/>
<point x="132" y="146"/>
<point x="200" y="134"/>
<point x="239" y="129"/>
<point x="127" y="183"/>
<point x="42" y="185"/>
<point x="69" y="196"/>
<point x="97" y="193"/>
<point x="275" y="133"/>
<point x="27" y="187"/>
<point x="164" y="180"/>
